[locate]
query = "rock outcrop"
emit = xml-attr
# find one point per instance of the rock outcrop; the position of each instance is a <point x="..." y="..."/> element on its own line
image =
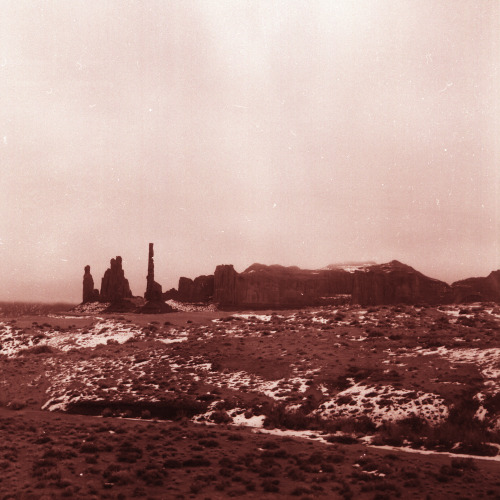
<point x="90" y="294"/>
<point x="114" y="285"/>
<point x="477" y="289"/>
<point x="397" y="283"/>
<point x="155" y="303"/>
<point x="262" y="286"/>
<point x="201" y="289"/>
<point x="153" y="289"/>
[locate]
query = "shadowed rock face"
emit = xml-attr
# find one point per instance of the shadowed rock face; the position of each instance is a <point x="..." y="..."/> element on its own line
<point x="395" y="283"/>
<point x="201" y="289"/>
<point x="153" y="289"/>
<point x="477" y="289"/>
<point x="89" y="293"/>
<point x="262" y="286"/>
<point x="155" y="303"/>
<point x="114" y="285"/>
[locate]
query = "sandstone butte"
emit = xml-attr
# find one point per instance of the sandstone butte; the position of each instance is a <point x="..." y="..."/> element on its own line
<point x="263" y="287"/>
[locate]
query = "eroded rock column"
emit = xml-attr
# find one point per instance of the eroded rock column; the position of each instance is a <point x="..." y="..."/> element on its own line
<point x="89" y="293"/>
<point x="153" y="289"/>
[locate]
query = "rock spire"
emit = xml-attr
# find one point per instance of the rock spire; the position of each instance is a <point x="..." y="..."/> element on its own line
<point x="114" y="285"/>
<point x="89" y="293"/>
<point x="153" y="289"/>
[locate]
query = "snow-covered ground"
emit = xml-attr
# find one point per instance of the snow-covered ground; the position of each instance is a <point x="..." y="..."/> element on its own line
<point x="384" y="403"/>
<point x="163" y="360"/>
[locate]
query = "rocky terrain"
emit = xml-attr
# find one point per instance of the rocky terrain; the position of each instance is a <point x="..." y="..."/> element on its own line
<point x="332" y="401"/>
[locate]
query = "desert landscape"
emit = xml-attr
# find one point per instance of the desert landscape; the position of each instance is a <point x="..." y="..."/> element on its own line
<point x="249" y="248"/>
<point x="336" y="402"/>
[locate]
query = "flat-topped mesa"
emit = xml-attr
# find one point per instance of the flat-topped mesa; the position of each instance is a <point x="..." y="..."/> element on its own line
<point x="397" y="283"/>
<point x="114" y="285"/>
<point x="90" y="294"/>
<point x="153" y="289"/>
<point x="261" y="286"/>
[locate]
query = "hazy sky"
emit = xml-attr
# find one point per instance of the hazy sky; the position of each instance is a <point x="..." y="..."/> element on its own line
<point x="231" y="132"/>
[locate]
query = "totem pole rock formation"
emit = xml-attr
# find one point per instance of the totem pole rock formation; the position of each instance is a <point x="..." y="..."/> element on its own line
<point x="90" y="294"/>
<point x="155" y="303"/>
<point x="153" y="289"/>
<point x="114" y="286"/>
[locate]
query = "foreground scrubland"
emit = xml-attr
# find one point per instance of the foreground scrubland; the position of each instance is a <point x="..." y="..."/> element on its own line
<point x="383" y="402"/>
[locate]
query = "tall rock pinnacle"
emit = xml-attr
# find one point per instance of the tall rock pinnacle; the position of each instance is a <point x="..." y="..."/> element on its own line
<point x="89" y="293"/>
<point x="153" y="289"/>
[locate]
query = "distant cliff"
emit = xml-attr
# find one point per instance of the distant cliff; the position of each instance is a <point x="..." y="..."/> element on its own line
<point x="395" y="283"/>
<point x="261" y="286"/>
<point x="277" y="286"/>
<point x="478" y="289"/>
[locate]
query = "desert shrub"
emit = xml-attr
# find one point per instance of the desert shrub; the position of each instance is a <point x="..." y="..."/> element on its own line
<point x="113" y="474"/>
<point x="295" y="474"/>
<point x="278" y="416"/>
<point x="226" y="462"/>
<point x="172" y="463"/>
<point x="152" y="474"/>
<point x="463" y="464"/>
<point x="280" y="453"/>
<point x="43" y="439"/>
<point x="345" y="400"/>
<point x="38" y="337"/>
<point x="447" y="470"/>
<point x="413" y="429"/>
<point x="207" y="397"/>
<point x="385" y="375"/>
<point x="395" y="336"/>
<point x="208" y="443"/>
<point x="107" y="412"/>
<point x="16" y="405"/>
<point x="146" y="414"/>
<point x="300" y="490"/>
<point x="235" y="437"/>
<point x="465" y="321"/>
<point x="43" y="463"/>
<point x="196" y="486"/>
<point x="59" y="453"/>
<point x="271" y="485"/>
<point x="492" y="402"/>
<point x="225" y="472"/>
<point x="374" y="333"/>
<point x="36" y="349"/>
<point x="220" y="417"/>
<point x="362" y="425"/>
<point x="196" y="461"/>
<point x="342" y="438"/>
<point x="128" y="453"/>
<point x="89" y="448"/>
<point x="464" y="435"/>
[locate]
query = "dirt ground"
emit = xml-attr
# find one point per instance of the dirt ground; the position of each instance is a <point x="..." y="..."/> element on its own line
<point x="385" y="402"/>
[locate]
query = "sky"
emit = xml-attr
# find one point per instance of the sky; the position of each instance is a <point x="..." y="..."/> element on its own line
<point x="293" y="132"/>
